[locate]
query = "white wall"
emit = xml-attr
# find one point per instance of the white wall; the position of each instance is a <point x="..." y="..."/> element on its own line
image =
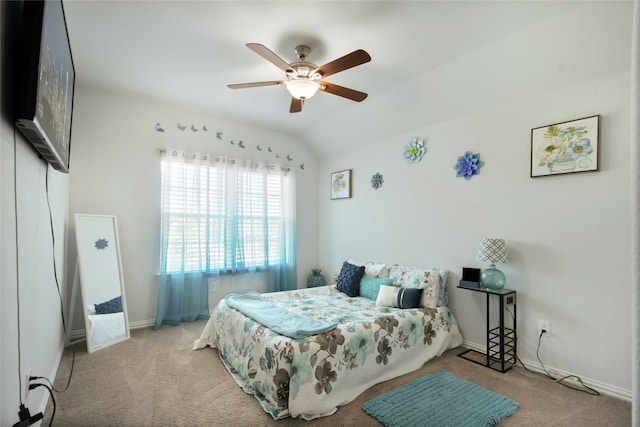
<point x="31" y="305"/>
<point x="31" y="331"/>
<point x="116" y="171"/>
<point x="567" y="236"/>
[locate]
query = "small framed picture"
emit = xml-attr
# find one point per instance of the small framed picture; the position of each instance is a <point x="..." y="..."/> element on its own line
<point x="341" y="184"/>
<point x="565" y="147"/>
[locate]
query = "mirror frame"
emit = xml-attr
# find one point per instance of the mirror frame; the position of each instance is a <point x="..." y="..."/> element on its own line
<point x="85" y="279"/>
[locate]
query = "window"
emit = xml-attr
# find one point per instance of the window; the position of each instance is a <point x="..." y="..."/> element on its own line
<point x="225" y="216"/>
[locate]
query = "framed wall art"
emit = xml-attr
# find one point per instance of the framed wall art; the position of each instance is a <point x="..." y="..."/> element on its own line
<point x="566" y="147"/>
<point x="341" y="184"/>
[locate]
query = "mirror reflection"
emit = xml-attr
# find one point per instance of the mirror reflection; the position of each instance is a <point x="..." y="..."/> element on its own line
<point x="101" y="283"/>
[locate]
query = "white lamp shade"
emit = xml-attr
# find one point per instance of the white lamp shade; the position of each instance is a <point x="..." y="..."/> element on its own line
<point x="302" y="88"/>
<point x="492" y="250"/>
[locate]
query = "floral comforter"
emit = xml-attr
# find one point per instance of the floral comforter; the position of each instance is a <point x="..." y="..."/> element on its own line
<point x="311" y="377"/>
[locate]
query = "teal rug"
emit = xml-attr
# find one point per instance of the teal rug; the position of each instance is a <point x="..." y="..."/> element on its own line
<point x="440" y="399"/>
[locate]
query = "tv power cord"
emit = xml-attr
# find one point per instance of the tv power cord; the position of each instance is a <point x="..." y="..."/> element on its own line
<point x="24" y="415"/>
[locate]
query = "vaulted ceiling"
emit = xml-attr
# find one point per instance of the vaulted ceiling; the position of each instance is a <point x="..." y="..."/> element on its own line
<point x="186" y="52"/>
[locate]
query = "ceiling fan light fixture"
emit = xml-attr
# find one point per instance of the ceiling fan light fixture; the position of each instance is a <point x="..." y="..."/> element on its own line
<point x="302" y="88"/>
<point x="303" y="78"/>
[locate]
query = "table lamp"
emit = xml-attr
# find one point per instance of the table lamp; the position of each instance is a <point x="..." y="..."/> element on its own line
<point x="492" y="250"/>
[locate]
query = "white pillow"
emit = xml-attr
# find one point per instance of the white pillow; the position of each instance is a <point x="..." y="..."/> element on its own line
<point x="386" y="296"/>
<point x="91" y="308"/>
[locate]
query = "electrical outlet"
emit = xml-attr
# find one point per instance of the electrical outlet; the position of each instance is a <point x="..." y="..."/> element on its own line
<point x="546" y="326"/>
<point x="26" y="383"/>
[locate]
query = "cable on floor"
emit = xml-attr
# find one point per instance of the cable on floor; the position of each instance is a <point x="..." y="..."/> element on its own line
<point x="587" y="389"/>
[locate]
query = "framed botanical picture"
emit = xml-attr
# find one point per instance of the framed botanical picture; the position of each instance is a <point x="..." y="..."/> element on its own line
<point x="565" y="147"/>
<point x="341" y="184"/>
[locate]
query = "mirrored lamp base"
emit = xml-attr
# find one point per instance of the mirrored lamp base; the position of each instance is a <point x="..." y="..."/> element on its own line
<point x="492" y="278"/>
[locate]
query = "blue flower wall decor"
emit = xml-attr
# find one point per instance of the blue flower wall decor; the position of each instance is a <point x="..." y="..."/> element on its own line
<point x="376" y="181"/>
<point x="414" y="150"/>
<point x="101" y="243"/>
<point x="468" y="165"/>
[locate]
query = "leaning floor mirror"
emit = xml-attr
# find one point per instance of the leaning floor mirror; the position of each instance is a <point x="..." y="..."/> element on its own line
<point x="100" y="269"/>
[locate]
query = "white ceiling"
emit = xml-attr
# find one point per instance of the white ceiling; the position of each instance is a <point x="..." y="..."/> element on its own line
<point x="186" y="52"/>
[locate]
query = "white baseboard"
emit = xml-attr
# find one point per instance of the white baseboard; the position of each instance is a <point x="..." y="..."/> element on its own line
<point x="77" y="335"/>
<point x="142" y="324"/>
<point x="535" y="366"/>
<point x="44" y="401"/>
<point x="80" y="334"/>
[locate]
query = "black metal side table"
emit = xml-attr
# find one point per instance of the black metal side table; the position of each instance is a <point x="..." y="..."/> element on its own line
<point x="501" y="354"/>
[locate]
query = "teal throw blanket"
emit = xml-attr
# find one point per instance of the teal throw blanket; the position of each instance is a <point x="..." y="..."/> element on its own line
<point x="276" y="318"/>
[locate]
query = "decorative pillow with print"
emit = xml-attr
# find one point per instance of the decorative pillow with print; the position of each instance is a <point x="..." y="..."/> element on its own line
<point x="349" y="279"/>
<point x="426" y="279"/>
<point x="443" y="297"/>
<point x="372" y="269"/>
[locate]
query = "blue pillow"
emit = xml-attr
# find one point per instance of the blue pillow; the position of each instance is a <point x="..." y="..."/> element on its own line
<point x="111" y="306"/>
<point x="370" y="286"/>
<point x="349" y="279"/>
<point x="408" y="298"/>
<point x="392" y="296"/>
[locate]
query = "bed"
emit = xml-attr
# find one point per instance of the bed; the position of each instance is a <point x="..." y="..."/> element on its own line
<point x="312" y="376"/>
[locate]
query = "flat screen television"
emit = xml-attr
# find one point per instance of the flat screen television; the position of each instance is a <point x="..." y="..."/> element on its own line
<point x="47" y="79"/>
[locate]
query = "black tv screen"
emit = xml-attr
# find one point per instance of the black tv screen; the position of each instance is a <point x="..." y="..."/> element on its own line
<point x="45" y="95"/>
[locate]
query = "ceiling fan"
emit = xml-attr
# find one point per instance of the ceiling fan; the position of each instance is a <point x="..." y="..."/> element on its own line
<point x="304" y="79"/>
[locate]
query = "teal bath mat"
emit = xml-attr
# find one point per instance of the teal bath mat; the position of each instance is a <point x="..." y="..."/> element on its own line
<point x="440" y="399"/>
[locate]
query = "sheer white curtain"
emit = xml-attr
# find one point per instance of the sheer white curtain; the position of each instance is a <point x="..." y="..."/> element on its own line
<point x="635" y="204"/>
<point x="222" y="216"/>
<point x="260" y="228"/>
<point x="183" y="293"/>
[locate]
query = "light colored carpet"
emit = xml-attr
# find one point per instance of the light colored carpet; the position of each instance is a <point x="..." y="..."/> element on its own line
<point x="155" y="379"/>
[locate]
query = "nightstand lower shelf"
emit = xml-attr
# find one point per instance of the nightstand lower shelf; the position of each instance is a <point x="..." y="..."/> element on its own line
<point x="507" y="354"/>
<point x="495" y="360"/>
<point x="480" y="358"/>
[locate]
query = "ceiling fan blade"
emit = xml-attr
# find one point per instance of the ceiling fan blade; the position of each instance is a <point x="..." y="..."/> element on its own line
<point x="270" y="56"/>
<point x="353" y="59"/>
<point x="342" y="91"/>
<point x="296" y="105"/>
<point x="255" y="84"/>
